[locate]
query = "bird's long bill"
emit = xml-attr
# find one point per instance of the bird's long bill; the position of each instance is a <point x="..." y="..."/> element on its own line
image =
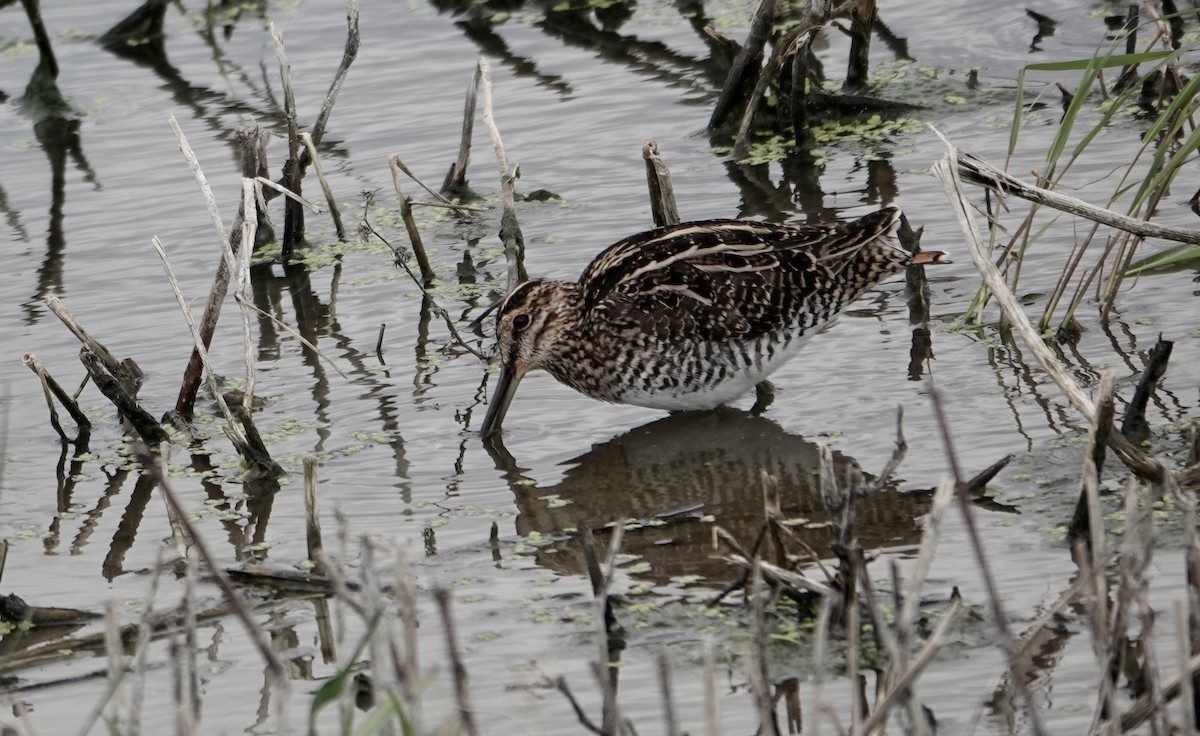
<point x="506" y="389"/>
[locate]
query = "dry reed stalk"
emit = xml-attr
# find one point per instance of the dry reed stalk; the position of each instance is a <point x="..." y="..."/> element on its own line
<point x="440" y="200"/>
<point x="193" y="374"/>
<point x="330" y="200"/>
<point x="189" y="704"/>
<point x="768" y="74"/>
<point x="245" y="304"/>
<point x="461" y="691"/>
<point x="249" y="232"/>
<point x="349" y="54"/>
<point x="510" y="230"/>
<point x="233" y="427"/>
<point x="53" y="390"/>
<point x="455" y="184"/>
<point x="1187" y="687"/>
<point x="977" y="171"/>
<point x="1141" y="464"/>
<point x="903" y="684"/>
<point x="410" y="224"/>
<point x="662" y="193"/>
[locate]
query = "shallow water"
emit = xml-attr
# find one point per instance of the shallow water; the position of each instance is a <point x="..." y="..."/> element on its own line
<point x="82" y="197"/>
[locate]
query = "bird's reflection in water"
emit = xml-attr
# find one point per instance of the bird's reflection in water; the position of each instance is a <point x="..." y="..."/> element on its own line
<point x="681" y="475"/>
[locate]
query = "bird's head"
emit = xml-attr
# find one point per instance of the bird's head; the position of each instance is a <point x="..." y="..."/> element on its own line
<point x="531" y="323"/>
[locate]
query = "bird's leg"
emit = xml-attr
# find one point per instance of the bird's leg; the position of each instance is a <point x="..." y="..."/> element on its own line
<point x="764" y="395"/>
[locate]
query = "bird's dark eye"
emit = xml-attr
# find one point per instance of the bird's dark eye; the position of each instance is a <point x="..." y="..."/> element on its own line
<point x="521" y="321"/>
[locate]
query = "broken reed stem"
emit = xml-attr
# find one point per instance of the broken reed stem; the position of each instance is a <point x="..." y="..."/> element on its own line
<point x="461" y="691"/>
<point x="334" y="213"/>
<point x="146" y="426"/>
<point x="1141" y="464"/>
<point x="154" y="464"/>
<point x="977" y="171"/>
<point x="455" y="184"/>
<point x="193" y="375"/>
<point x="349" y="54"/>
<point x="662" y="193"/>
<point x="312" y="516"/>
<point x="293" y="216"/>
<point x="410" y="665"/>
<point x="53" y="390"/>
<point x="410" y="224"/>
<point x="757" y="673"/>
<point x="201" y="181"/>
<point x="510" y="230"/>
<point x="110" y="362"/>
<point x="249" y="232"/>
<point x="1134" y="426"/>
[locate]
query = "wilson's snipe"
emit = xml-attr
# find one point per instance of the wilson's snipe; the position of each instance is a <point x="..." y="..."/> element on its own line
<point x="691" y="316"/>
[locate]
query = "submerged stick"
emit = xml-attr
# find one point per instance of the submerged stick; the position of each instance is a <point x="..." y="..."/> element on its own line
<point x="662" y="192"/>
<point x="510" y="231"/>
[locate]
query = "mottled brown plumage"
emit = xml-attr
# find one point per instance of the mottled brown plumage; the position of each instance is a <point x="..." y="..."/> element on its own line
<point x="691" y="316"/>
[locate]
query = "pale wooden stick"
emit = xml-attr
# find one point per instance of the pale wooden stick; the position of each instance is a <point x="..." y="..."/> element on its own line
<point x="510" y="231"/>
<point x="977" y="171"/>
<point x="662" y="192"/>
<point x="233" y="427"/>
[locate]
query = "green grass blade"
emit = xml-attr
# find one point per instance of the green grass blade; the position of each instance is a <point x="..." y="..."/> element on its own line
<point x="1179" y="255"/>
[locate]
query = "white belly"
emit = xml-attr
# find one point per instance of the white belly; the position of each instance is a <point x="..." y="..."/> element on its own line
<point x="740" y="376"/>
